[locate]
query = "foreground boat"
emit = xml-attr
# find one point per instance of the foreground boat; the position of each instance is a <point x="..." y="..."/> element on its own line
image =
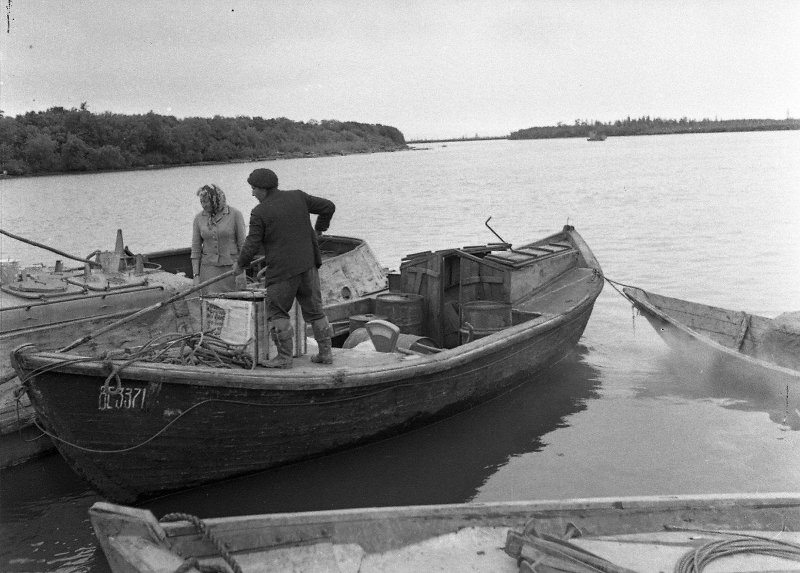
<point x="476" y="321"/>
<point x="746" y="348"/>
<point x="615" y="535"/>
<point x="53" y="306"/>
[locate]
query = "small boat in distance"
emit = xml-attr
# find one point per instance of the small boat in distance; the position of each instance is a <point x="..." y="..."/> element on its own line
<point x="744" y="532"/>
<point x="750" y="348"/>
<point x="460" y="326"/>
<point x="596" y="136"/>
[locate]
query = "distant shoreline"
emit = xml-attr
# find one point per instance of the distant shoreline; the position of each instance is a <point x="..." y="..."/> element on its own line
<point x="628" y="128"/>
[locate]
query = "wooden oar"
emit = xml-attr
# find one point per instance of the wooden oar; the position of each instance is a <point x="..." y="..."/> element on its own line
<point x="54" y="250"/>
<point x="156" y="306"/>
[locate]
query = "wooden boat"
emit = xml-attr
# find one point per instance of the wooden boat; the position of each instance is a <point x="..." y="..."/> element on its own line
<point x="747" y="348"/>
<point x="53" y="307"/>
<point x="615" y="535"/>
<point x="476" y="321"/>
<point x="41" y="303"/>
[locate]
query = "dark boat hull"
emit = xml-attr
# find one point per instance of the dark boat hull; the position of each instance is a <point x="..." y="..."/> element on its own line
<point x="251" y="428"/>
<point x="349" y="267"/>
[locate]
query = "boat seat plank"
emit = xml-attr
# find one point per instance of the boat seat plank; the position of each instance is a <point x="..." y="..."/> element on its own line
<point x="347" y="359"/>
<point x="525" y="255"/>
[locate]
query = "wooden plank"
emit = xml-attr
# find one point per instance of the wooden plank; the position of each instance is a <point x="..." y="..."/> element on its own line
<point x="482" y="279"/>
<point x="744" y="326"/>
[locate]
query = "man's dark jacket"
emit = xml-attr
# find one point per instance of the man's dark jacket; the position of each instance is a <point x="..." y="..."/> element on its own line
<point x="281" y="225"/>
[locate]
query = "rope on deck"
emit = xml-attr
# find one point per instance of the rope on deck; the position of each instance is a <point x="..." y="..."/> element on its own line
<point x="201" y="528"/>
<point x="696" y="560"/>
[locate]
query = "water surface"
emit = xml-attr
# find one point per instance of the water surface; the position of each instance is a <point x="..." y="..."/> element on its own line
<point x="707" y="217"/>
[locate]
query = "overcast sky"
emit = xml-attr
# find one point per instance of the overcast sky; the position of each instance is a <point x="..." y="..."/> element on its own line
<point x="435" y="68"/>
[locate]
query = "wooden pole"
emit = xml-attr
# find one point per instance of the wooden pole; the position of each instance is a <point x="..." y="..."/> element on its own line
<point x="56" y="251"/>
<point x="153" y="307"/>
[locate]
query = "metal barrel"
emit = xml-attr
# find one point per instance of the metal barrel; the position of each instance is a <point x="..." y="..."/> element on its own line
<point x="406" y="310"/>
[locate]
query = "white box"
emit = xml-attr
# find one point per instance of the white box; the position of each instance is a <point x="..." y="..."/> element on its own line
<point x="244" y="322"/>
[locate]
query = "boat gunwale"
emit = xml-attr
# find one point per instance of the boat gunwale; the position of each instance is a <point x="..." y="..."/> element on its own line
<point x="647" y="305"/>
<point x="263" y="379"/>
<point x="645" y="503"/>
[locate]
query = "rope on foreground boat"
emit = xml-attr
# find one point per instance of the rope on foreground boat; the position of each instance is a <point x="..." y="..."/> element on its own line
<point x="696" y="560"/>
<point x="192" y="562"/>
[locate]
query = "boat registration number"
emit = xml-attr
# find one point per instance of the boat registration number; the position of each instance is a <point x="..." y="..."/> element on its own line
<point x="125" y="399"/>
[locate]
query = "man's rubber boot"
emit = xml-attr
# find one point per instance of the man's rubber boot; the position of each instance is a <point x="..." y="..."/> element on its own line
<point x="283" y="336"/>
<point x="322" y="334"/>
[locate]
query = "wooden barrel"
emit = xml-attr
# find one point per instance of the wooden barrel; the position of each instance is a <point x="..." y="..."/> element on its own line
<point x="481" y="318"/>
<point x="359" y="320"/>
<point x="403" y="309"/>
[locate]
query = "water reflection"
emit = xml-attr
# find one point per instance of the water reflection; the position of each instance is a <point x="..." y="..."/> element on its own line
<point x="44" y="520"/>
<point x="446" y="462"/>
<point x="703" y="377"/>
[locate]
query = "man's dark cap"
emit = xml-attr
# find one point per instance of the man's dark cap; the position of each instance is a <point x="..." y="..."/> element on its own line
<point x="263" y="178"/>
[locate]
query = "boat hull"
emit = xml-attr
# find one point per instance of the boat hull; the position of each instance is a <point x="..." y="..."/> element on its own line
<point x="256" y="426"/>
<point x="350" y="276"/>
<point x="724" y="350"/>
<point x="648" y="533"/>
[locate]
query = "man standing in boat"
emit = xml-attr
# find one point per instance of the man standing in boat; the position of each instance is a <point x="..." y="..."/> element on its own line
<point x="281" y="224"/>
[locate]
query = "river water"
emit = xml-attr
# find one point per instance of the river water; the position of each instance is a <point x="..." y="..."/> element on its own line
<point x="709" y="217"/>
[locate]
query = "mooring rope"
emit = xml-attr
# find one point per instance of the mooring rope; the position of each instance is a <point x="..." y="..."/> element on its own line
<point x="614" y="285"/>
<point x="201" y="528"/>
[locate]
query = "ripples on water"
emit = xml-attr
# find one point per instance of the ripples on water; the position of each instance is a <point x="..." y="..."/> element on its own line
<point x="711" y="218"/>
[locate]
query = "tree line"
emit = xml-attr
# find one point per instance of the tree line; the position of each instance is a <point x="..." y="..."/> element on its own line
<point x="72" y="140"/>
<point x="653" y="126"/>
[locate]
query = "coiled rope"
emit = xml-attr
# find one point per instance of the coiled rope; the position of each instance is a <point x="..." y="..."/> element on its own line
<point x="696" y="560"/>
<point x="201" y="528"/>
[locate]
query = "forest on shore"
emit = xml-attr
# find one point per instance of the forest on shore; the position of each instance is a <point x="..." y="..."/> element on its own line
<point x="63" y="140"/>
<point x="653" y="126"/>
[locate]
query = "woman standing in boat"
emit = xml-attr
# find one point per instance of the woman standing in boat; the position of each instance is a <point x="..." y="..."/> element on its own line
<point x="218" y="234"/>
